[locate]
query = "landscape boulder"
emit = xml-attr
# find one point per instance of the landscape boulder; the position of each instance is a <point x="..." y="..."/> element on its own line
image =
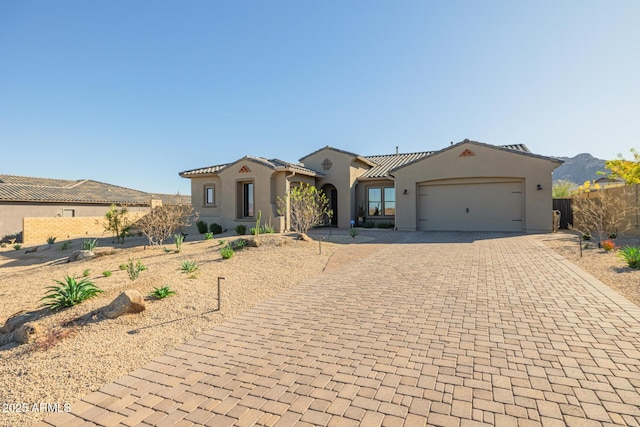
<point x="130" y="301"/>
<point x="16" y="320"/>
<point x="81" y="255"/>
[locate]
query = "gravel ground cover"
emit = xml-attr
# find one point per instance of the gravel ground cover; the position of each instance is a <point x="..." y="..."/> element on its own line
<point x="607" y="267"/>
<point x="87" y="353"/>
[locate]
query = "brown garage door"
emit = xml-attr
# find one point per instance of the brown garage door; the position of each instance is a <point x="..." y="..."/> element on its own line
<point x="486" y="206"/>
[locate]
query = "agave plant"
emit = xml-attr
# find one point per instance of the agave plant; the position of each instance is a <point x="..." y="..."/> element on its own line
<point x="162" y="292"/>
<point x="631" y="255"/>
<point x="189" y="267"/>
<point x="69" y="293"/>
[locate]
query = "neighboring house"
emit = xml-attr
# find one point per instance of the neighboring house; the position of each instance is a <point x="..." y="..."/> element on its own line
<point x="27" y="197"/>
<point x="466" y="186"/>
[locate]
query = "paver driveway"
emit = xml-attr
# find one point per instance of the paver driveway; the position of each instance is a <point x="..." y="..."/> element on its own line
<point x="441" y="329"/>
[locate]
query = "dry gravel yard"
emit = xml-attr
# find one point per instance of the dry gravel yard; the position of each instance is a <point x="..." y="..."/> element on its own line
<point x="98" y="352"/>
<point x="607" y="267"/>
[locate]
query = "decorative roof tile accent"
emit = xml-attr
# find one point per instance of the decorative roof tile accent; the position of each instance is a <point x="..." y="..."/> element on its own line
<point x="28" y="189"/>
<point x="270" y="163"/>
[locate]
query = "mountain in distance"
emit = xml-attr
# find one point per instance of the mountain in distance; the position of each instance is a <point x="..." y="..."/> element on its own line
<point x="578" y="169"/>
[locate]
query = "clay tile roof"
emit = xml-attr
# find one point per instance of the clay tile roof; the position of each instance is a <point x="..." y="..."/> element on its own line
<point x="29" y="189"/>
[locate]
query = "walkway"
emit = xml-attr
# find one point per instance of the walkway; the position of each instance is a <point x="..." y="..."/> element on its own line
<point x="453" y="330"/>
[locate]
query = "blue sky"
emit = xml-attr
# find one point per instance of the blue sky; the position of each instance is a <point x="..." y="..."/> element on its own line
<point x="133" y="92"/>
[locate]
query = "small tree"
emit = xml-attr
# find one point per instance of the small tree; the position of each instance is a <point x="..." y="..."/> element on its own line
<point x="117" y="222"/>
<point x="306" y="205"/>
<point x="563" y="189"/>
<point x="605" y="212"/>
<point x="629" y="170"/>
<point x="163" y="221"/>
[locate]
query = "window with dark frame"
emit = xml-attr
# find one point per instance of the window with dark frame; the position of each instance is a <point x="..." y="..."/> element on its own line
<point x="209" y="195"/>
<point x="381" y="201"/>
<point x="247" y="199"/>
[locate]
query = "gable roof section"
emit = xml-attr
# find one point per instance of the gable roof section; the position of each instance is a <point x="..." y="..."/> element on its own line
<point x="520" y="149"/>
<point x="364" y="160"/>
<point x="386" y="162"/>
<point x="275" y="164"/>
<point x="28" y="189"/>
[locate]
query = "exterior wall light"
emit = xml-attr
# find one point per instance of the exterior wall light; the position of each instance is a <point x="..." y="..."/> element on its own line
<point x="539" y="187"/>
<point x="405" y="191"/>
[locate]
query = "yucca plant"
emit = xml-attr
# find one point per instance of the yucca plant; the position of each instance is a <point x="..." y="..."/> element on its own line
<point x="162" y="292"/>
<point x="631" y="256"/>
<point x="189" y="267"/>
<point x="69" y="292"/>
<point x="89" y="245"/>
<point x="51" y="240"/>
<point x="178" y="239"/>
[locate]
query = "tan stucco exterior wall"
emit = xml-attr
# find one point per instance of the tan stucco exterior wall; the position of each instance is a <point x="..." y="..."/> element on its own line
<point x="12" y="213"/>
<point x="37" y="230"/>
<point x="344" y="171"/>
<point x="268" y="186"/>
<point x="484" y="162"/>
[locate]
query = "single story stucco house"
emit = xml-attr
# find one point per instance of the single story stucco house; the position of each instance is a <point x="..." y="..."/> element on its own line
<point x="468" y="186"/>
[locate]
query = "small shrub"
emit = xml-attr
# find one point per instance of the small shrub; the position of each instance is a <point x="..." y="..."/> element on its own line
<point x="202" y="227"/>
<point x="17" y="246"/>
<point x="69" y="293"/>
<point x="215" y="228"/>
<point x="268" y="229"/>
<point x="586" y="236"/>
<point x="353" y="232"/>
<point x="241" y="229"/>
<point x="106" y="273"/>
<point x="226" y="252"/>
<point x="122" y="266"/>
<point x="189" y="267"/>
<point x="608" y="245"/>
<point x="178" y="239"/>
<point x="369" y="224"/>
<point x="239" y="244"/>
<point x="89" y="245"/>
<point x="162" y="292"/>
<point x="208" y="236"/>
<point x="65" y="246"/>
<point x="631" y="256"/>
<point x="386" y="225"/>
<point x="221" y="242"/>
<point x="134" y="269"/>
<point x="86" y="273"/>
<point x="51" y="240"/>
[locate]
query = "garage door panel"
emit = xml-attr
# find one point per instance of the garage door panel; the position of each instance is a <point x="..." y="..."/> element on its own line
<point x="471" y="207"/>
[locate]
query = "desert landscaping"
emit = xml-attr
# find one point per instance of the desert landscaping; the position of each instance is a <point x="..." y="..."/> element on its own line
<point x="76" y="350"/>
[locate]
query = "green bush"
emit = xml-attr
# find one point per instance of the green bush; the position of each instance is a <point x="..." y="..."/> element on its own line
<point x="221" y="242"/>
<point x="353" y="232"/>
<point x="369" y="224"/>
<point x="17" y="246"/>
<point x="86" y="273"/>
<point x="241" y="229"/>
<point x="215" y="228"/>
<point x="162" y="292"/>
<point x="89" y="245"/>
<point x="386" y="225"/>
<point x="122" y="266"/>
<point x="202" y="227"/>
<point x="69" y="293"/>
<point x="51" y="240"/>
<point x="226" y="252"/>
<point x="208" y="236"/>
<point x="631" y="256"/>
<point x="106" y="273"/>
<point x="65" y="246"/>
<point x="134" y="269"/>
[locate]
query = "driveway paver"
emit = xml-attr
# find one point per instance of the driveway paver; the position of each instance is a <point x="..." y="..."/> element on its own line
<point x="442" y="329"/>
